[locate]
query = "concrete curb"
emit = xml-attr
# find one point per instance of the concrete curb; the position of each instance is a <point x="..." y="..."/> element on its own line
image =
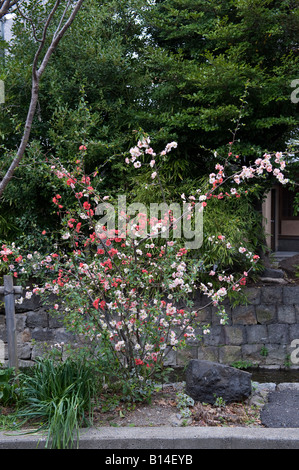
<point x="161" y="438"/>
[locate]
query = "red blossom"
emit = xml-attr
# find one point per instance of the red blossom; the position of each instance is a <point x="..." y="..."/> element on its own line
<point x="139" y="362"/>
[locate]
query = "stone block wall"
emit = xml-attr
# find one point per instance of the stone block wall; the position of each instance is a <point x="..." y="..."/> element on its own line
<point x="259" y="333"/>
<point x="37" y="330"/>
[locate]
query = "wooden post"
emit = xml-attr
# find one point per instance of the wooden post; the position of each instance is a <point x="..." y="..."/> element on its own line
<point x="9" y="292"/>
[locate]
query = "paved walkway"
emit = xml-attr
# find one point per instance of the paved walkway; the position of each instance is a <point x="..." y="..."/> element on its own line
<point x="179" y="440"/>
<point x="282" y="409"/>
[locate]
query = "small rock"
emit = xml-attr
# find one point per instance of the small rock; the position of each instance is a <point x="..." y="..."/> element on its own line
<point x="273" y="273"/>
<point x="176" y="420"/>
<point x="273" y="280"/>
<point x="260" y="392"/>
<point x="289" y="265"/>
<point x="288" y="386"/>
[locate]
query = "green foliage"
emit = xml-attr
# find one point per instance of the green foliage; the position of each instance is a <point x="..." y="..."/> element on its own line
<point x="58" y="395"/>
<point x="176" y="68"/>
<point x="242" y="364"/>
<point x="219" y="402"/>
<point x="207" y="51"/>
<point x="184" y="402"/>
<point x="264" y="351"/>
<point x="7" y="386"/>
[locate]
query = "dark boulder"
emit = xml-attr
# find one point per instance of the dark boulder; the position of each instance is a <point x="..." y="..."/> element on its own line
<point x="206" y="381"/>
<point x="290" y="265"/>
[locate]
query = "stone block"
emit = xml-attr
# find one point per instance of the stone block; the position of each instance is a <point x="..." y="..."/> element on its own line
<point x="55" y="321"/>
<point x="244" y="315"/>
<point x="252" y="353"/>
<point x="253" y="295"/>
<point x="199" y="300"/>
<point x="2" y="328"/>
<point x="39" y="349"/>
<point x="230" y="354"/>
<point x="216" y="318"/>
<point x="277" y="353"/>
<point x="184" y="356"/>
<point x="215" y="337"/>
<point x="278" y="334"/>
<point x="234" y="335"/>
<point x="37" y="319"/>
<point x="60" y="335"/>
<point x="209" y="353"/>
<point x="29" y="304"/>
<point x="256" y="334"/>
<point x="272" y="273"/>
<point x="271" y="295"/>
<point x="24" y="351"/>
<point x="266" y="314"/>
<point x="294" y="332"/>
<point x="170" y="359"/>
<point x="206" y="380"/>
<point x="291" y="295"/>
<point x="204" y="316"/>
<point x="42" y="334"/>
<point x="20" y="321"/>
<point x="25" y="336"/>
<point x="286" y="314"/>
<point x="26" y="363"/>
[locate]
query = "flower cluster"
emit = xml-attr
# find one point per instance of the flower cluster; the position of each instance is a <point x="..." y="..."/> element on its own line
<point x="143" y="148"/>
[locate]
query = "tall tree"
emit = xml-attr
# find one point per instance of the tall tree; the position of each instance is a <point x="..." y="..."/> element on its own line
<point x="91" y="92"/>
<point x="204" y="54"/>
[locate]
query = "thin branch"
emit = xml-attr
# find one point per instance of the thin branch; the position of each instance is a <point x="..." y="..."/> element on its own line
<point x="30" y="21"/>
<point x="43" y="40"/>
<point x="59" y="36"/>
<point x="61" y="19"/>
<point x="6" y="5"/>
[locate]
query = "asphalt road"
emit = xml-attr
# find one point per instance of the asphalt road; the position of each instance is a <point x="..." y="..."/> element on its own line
<point x="281" y="410"/>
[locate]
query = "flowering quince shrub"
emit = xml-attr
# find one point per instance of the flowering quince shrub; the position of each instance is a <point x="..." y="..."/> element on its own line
<point x="132" y="295"/>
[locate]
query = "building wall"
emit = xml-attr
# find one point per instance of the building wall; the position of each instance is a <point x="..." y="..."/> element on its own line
<point x="260" y="333"/>
<point x="266" y="210"/>
<point x="6" y="28"/>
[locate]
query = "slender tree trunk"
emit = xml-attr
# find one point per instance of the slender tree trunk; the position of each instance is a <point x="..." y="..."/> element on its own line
<point x="36" y="76"/>
<point x="25" y="138"/>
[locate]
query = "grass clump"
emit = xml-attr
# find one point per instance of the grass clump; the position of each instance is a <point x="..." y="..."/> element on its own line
<point x="59" y="397"/>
